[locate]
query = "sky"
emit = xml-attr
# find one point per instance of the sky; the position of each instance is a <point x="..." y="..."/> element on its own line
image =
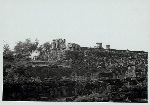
<point x="123" y="24"/>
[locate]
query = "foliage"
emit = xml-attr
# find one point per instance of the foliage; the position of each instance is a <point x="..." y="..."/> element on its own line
<point x="47" y="46"/>
<point x="26" y="47"/>
<point x="23" y="49"/>
<point x="7" y="53"/>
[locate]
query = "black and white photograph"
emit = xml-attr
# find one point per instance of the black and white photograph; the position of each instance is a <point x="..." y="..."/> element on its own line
<point x="75" y="51"/>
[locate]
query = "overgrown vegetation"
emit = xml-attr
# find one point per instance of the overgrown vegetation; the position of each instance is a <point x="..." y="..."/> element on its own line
<point x="86" y="75"/>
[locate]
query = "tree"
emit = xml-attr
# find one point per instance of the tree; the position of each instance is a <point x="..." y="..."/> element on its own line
<point x="7" y="53"/>
<point x="45" y="50"/>
<point x="47" y="46"/>
<point x="25" y="48"/>
<point x="6" y="49"/>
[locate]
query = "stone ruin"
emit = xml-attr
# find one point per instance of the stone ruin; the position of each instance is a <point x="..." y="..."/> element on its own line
<point x="59" y="44"/>
<point x="58" y="50"/>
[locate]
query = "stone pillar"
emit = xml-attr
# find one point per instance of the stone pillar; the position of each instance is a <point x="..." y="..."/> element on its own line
<point x="53" y="44"/>
<point x="107" y="46"/>
<point x="75" y="91"/>
<point x="99" y="45"/>
<point x="64" y="91"/>
<point x="64" y="41"/>
<point x="57" y="43"/>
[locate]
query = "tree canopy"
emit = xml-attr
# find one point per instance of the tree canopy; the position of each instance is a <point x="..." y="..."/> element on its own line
<point x="26" y="47"/>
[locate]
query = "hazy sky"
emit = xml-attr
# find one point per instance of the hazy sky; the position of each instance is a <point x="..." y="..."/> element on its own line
<point x="124" y="24"/>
